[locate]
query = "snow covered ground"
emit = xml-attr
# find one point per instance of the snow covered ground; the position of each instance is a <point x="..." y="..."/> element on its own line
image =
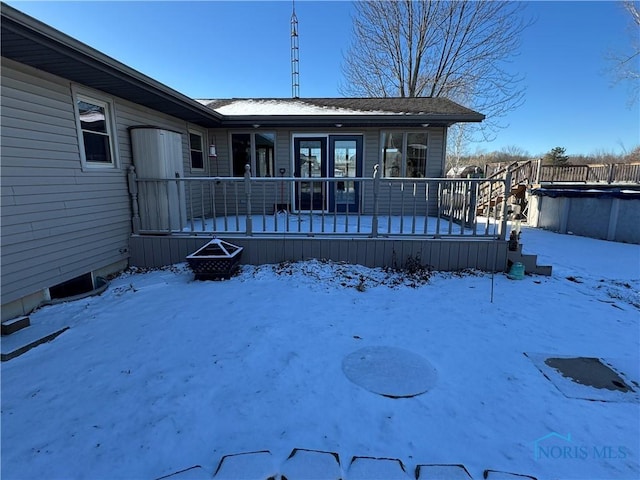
<point x="161" y="373"/>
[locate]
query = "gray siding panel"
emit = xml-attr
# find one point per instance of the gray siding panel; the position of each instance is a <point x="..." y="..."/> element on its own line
<point x="445" y="255"/>
<point x="58" y="220"/>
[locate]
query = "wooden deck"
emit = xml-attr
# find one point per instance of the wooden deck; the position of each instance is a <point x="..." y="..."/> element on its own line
<point x="397" y="221"/>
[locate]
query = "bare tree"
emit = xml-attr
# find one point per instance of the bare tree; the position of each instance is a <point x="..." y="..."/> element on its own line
<point x="454" y="49"/>
<point x="626" y="65"/>
<point x="457" y="141"/>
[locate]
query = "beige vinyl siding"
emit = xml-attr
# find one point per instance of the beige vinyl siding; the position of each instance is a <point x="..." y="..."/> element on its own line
<point x="283" y="153"/>
<point x="371" y="156"/>
<point x="58" y="221"/>
<point x="391" y="199"/>
<point x="436" y="153"/>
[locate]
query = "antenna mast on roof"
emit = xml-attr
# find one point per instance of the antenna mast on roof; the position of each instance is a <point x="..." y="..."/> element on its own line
<point x="295" y="61"/>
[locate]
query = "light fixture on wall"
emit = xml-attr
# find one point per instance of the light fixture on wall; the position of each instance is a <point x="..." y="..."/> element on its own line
<point x="213" y="154"/>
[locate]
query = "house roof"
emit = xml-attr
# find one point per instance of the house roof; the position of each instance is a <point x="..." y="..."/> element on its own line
<point x="416" y="111"/>
<point x="31" y="42"/>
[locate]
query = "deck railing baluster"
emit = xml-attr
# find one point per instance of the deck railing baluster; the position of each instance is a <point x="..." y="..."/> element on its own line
<point x="202" y="213"/>
<point x="389" y="206"/>
<point x="439" y="214"/>
<point x="190" y="206"/>
<point x="264" y="207"/>
<point x="358" y="195"/>
<point x="214" y="216"/>
<point x="376" y="200"/>
<point x="226" y="210"/>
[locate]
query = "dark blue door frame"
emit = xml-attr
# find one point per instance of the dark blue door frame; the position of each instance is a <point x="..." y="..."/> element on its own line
<point x="339" y="157"/>
<point x="345" y="161"/>
<point x="310" y="160"/>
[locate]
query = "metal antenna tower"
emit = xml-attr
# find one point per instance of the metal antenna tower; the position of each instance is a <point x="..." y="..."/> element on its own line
<point x="295" y="61"/>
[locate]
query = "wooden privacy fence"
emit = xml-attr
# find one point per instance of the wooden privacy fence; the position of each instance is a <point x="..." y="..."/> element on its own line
<point x="356" y="206"/>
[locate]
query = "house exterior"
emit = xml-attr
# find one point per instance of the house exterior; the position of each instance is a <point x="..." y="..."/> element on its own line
<point x="75" y="122"/>
<point x="65" y="205"/>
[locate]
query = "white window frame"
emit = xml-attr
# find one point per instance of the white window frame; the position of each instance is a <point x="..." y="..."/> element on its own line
<point x="403" y="162"/>
<point x="107" y="103"/>
<point x="205" y="151"/>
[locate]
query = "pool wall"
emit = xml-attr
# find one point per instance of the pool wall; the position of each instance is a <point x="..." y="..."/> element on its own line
<point x="597" y="212"/>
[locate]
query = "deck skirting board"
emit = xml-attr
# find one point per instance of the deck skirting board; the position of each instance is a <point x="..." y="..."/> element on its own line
<point x="439" y="254"/>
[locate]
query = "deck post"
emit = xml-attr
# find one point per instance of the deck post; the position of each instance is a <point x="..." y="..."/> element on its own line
<point x="505" y="200"/>
<point x="473" y="203"/>
<point x="376" y="191"/>
<point x="132" y="179"/>
<point x="247" y="192"/>
<point x="539" y="172"/>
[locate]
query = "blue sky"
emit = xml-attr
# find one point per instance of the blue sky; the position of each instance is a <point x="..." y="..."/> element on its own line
<point x="241" y="49"/>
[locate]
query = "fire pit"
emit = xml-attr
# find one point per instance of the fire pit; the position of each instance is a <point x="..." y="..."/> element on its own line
<point x="215" y="260"/>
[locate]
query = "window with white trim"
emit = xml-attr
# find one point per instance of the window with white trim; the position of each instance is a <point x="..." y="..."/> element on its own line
<point x="404" y="154"/>
<point x="196" y="149"/>
<point x="254" y="149"/>
<point x="94" y="120"/>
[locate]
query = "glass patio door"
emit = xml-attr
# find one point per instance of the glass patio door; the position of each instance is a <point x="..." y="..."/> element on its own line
<point x="342" y="160"/>
<point x="310" y="161"/>
<point x="345" y="161"/>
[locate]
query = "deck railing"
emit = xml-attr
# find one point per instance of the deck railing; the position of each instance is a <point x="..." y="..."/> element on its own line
<point x="536" y="173"/>
<point x="611" y="173"/>
<point x="356" y="206"/>
<point x="514" y="175"/>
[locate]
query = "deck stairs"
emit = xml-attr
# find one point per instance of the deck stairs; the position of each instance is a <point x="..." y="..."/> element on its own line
<point x="520" y="174"/>
<point x="529" y="261"/>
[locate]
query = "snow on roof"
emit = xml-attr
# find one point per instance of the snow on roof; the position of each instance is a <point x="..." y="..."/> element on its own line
<point x="283" y="107"/>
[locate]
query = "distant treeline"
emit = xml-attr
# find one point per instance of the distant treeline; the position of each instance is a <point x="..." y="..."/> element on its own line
<point x="554" y="156"/>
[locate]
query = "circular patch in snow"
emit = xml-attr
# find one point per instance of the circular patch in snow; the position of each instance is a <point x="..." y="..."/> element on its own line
<point x="389" y="371"/>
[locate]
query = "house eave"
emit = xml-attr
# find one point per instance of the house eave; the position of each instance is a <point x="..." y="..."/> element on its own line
<point x="33" y="43"/>
<point x="343" y="121"/>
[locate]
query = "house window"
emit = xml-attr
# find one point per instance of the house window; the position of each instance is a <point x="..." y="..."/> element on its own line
<point x="95" y="132"/>
<point x="404" y="154"/>
<point x="254" y="149"/>
<point x="196" y="151"/>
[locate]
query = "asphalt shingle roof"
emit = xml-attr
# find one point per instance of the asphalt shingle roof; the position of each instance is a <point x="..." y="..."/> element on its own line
<point x="370" y="105"/>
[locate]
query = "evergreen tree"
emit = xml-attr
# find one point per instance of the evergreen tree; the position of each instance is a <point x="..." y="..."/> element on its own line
<point x="556" y="156"/>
